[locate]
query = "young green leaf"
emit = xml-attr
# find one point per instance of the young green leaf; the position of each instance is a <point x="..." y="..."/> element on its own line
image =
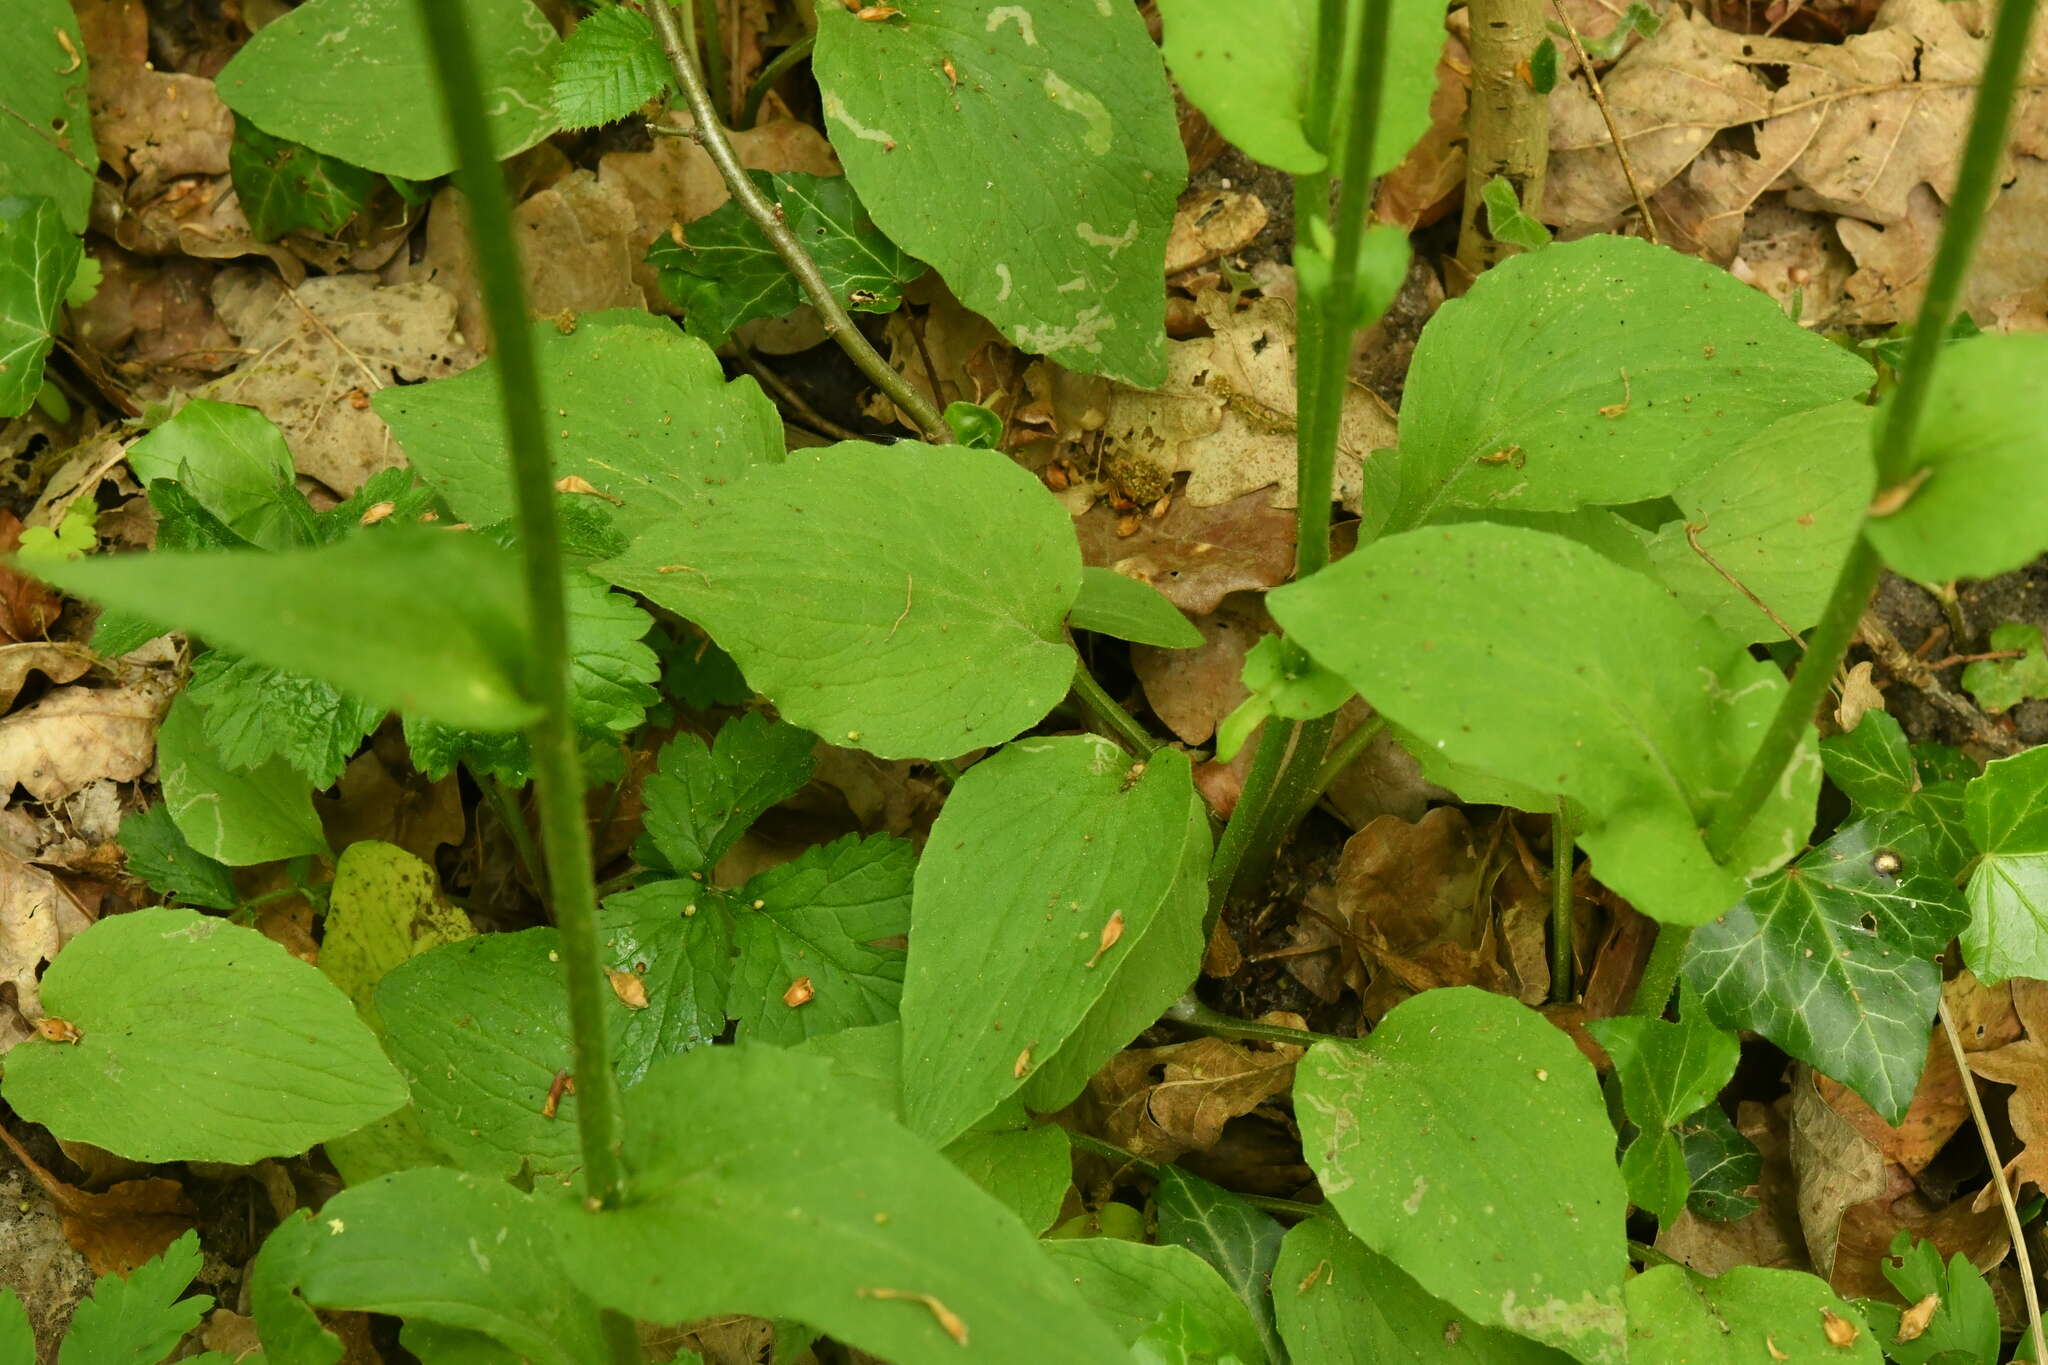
<point x="1654" y="1170"/>
<point x="1111" y="604"/>
<point x="1052" y="864"/>
<point x="38" y="257"/>
<point x="907" y="600"/>
<point x="726" y="273"/>
<point x="846" y="1222"/>
<point x="46" y="140"/>
<point x="382" y="113"/>
<point x="1249" y="79"/>
<point x="2007" y="811"/>
<point x="199" y="1041"/>
<point x="1832" y="959"/>
<point x="1975" y="501"/>
<point x="2001" y="684"/>
<point x="973" y="425"/>
<point x="1621" y="699"/>
<point x="1668" y="1070"/>
<point x="236" y="464"/>
<point x="1049" y="128"/>
<point x="140" y="1316"/>
<point x="609" y="66"/>
<point x="1965" y="1319"/>
<point x="254" y="713"/>
<point x="157" y="853"/>
<point x="1131" y="1286"/>
<point x="1603" y="371"/>
<point x="434" y="620"/>
<point x="285" y="188"/>
<point x="1872" y="763"/>
<point x="701" y="799"/>
<point x="1677" y="1317"/>
<point x="1506" y="219"/>
<point x="1721" y="1165"/>
<point x="1237" y="1239"/>
<point x="1466" y="1113"/>
<point x="229" y="815"/>
<point x="1285" y="682"/>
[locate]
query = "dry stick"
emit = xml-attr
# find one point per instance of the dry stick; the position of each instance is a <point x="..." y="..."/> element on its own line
<point x="805" y="414"/>
<point x="1900" y="663"/>
<point x="710" y="135"/>
<point x="1628" y="172"/>
<point x="1692" y="538"/>
<point x="2012" y="1213"/>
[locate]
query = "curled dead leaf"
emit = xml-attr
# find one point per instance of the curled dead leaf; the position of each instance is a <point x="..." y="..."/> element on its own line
<point x="1913" y="1322"/>
<point x="1838" y="1329"/>
<point x="800" y="992"/>
<point x="1111" y="932"/>
<point x="631" y="990"/>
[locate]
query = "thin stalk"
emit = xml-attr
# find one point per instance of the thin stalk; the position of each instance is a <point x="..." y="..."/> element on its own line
<point x="710" y="135"/>
<point x="712" y="51"/>
<point x="558" y="772"/>
<point x="509" y="815"/>
<point x="750" y="112"/>
<point x="1267" y="761"/>
<point x="1109" y="1151"/>
<point x="1110" y="718"/>
<point x="1342" y="755"/>
<point x="1563" y="838"/>
<point x="1310" y="741"/>
<point x="1191" y="1013"/>
<point x="1660" y="973"/>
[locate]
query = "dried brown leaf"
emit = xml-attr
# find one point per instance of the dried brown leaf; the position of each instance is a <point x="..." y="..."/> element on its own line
<point x="76" y="735"/>
<point x="1162" y="1102"/>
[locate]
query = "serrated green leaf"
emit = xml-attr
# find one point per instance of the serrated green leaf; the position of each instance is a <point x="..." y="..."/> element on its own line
<point x="435" y="621"/>
<point x="965" y="127"/>
<point x="2001" y="684"/>
<point x="1112" y="604"/>
<point x="236" y="464"/>
<point x="608" y="67"/>
<point x="1467" y="1114"/>
<point x="1132" y="1285"/>
<point x="845" y="1200"/>
<point x="254" y="713"/>
<point x="38" y="257"/>
<point x="1976" y="496"/>
<point x="1667" y="1070"/>
<point x="46" y="141"/>
<point x="725" y="273"/>
<point x="702" y="798"/>
<point x="138" y="1317"/>
<point x="1965" y="1316"/>
<point x="1249" y="79"/>
<point x="285" y="188"/>
<point x="1722" y="1165"/>
<point x="1779" y="514"/>
<point x="408" y="500"/>
<point x="1238" y="1240"/>
<point x="384" y="112"/>
<point x="1653" y="1167"/>
<point x="201" y="1041"/>
<point x="855" y="594"/>
<point x="1635" y="708"/>
<point x="676" y="936"/>
<point x="1676" y="1317"/>
<point x="235" y="817"/>
<point x="1043" y="853"/>
<point x="1872" y="763"/>
<point x="2007" y="814"/>
<point x="1506" y="219"/>
<point x="1832" y="959"/>
<point x="158" y="853"/>
<point x="1517" y="396"/>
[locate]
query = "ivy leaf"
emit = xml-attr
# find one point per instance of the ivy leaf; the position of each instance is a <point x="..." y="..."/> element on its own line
<point x="1051" y="128"/>
<point x="1722" y="1165"/>
<point x="38" y="257"/>
<point x="2007" y="811"/>
<point x="138" y="1316"/>
<point x="1112" y="604"/>
<point x="284" y="81"/>
<point x="1872" y="763"/>
<point x="1677" y="1317"/>
<point x="233" y="816"/>
<point x="1653" y="1167"/>
<point x="199" y="1041"/>
<point x="46" y="140"/>
<point x="288" y="188"/>
<point x="726" y="273"/>
<point x="1635" y="708"/>
<point x="254" y="713"/>
<point x="1832" y="959"/>
<point x="1668" y="1070"/>
<point x="2001" y="684"/>
<point x="158" y="853"/>
<point x="1240" y="1241"/>
<point x="609" y="66"/>
<point x="234" y="462"/>
<point x="1965" y="1316"/>
<point x="1132" y="1286"/>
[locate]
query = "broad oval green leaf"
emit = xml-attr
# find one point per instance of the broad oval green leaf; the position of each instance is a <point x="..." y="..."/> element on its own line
<point x="235" y="461"/>
<point x="355" y="79"/>
<point x="1047" y="127"/>
<point x="1613" y="695"/>
<point x="46" y="142"/>
<point x="907" y="600"/>
<point x="1677" y="1317"/>
<point x="2007" y="813"/>
<point x="1250" y="79"/>
<point x="200" y="1041"/>
<point x="1131" y="1285"/>
<point x="234" y="816"/>
<point x="845" y="1221"/>
<point x="1115" y="605"/>
<point x="38" y="256"/>
<point x="1466" y="1118"/>
<point x="1044" y="853"/>
<point x="1601" y="371"/>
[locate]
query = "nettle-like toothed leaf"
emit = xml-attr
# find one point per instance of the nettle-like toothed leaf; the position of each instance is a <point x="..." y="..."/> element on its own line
<point x="1833" y="958"/>
<point x="1964" y="1324"/>
<point x="284" y="187"/>
<point x="965" y="127"/>
<point x="2007" y="813"/>
<point x="254" y="713"/>
<point x="725" y="273"/>
<point x="1131" y="1285"/>
<point x="607" y="68"/>
<point x="38" y="257"/>
<point x="702" y="798"/>
<point x="138" y="1316"/>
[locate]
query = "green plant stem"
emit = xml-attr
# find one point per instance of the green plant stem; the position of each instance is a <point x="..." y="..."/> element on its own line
<point x="1563" y="839"/>
<point x="1660" y="973"/>
<point x="712" y="53"/>
<point x="1293" y="1208"/>
<point x="710" y="135"/>
<point x="1191" y="1013"/>
<point x="1342" y="755"/>
<point x="1291" y="797"/>
<point x="558" y="772"/>
<point x="1267" y="761"/>
<point x="947" y="769"/>
<point x="796" y="52"/>
<point x="1110" y="718"/>
<point x="506" y="808"/>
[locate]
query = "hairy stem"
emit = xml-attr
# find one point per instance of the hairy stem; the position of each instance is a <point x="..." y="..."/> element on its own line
<point x="1563" y="838"/>
<point x="710" y="135"/>
<point x="1508" y="128"/>
<point x="750" y="112"/>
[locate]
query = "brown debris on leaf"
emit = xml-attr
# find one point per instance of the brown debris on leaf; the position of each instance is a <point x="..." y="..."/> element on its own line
<point x="1163" y="1102"/>
<point x="1196" y="556"/>
<point x="27" y="607"/>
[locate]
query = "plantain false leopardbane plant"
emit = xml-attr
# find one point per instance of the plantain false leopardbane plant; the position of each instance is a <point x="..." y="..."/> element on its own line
<point x="547" y="1136"/>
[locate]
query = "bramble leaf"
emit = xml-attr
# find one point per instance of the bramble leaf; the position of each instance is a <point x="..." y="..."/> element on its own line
<point x="607" y="68"/>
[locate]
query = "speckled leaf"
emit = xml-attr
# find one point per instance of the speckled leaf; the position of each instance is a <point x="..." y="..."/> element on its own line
<point x="1676" y="1317"/>
<point x="2007" y="811"/>
<point x="38" y="257"/>
<point x="46" y="142"/>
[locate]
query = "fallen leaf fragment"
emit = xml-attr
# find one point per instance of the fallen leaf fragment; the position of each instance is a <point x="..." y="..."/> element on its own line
<point x="52" y="1029"/>
<point x="947" y="1318"/>
<point x="1839" y="1330"/>
<point x="74" y="736"/>
<point x="631" y="990"/>
<point x="576" y="483"/>
<point x="563" y="1084"/>
<point x="1913" y="1322"/>
<point x="1111" y="932"/>
<point x="119" y="1228"/>
<point x="1023" y="1063"/>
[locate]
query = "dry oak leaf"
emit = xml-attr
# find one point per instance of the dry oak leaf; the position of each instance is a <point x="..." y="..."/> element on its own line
<point x="2007" y="287"/>
<point x="1161" y="1102"/>
<point x="1414" y="898"/>
<point x="59" y="663"/>
<point x="27" y="607"/>
<point x="119" y="1228"/>
<point x="1209" y="224"/>
<point x="1938" y="1111"/>
<point x="37" y="917"/>
<point x="76" y="735"/>
<point x="1190" y="690"/>
<point x="1196" y="556"/>
<point x="2023" y="1065"/>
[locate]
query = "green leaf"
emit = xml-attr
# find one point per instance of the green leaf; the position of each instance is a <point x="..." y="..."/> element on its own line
<point x="1965" y="1319"/>
<point x="973" y="425"/>
<point x="38" y="257"/>
<point x="726" y="273"/>
<point x="701" y="799"/>
<point x="907" y="600"/>
<point x="1506" y="219"/>
<point x="201" y="1041"/>
<point x="1249" y="79"/>
<point x="1721" y="1164"/>
<point x="1638" y="19"/>
<point x="46" y="139"/>
<point x="255" y="713"/>
<point x="158" y="853"/>
<point x="1182" y="1336"/>
<point x="235" y="817"/>
<point x="1111" y="604"/>
<point x="1285" y="682"/>
<point x="2007" y="813"/>
<point x="2001" y="684"/>
<point x="1872" y="763"/>
<point x="288" y="188"/>
<point x="1130" y="1285"/>
<point x="1831" y="959"/>
<point x="1517" y="396"/>
<point x="651" y="423"/>
<point x="1233" y="1236"/>
<point x="1027" y="1168"/>
<point x="1341" y="1303"/>
<point x="676" y="936"/>
<point x="438" y="1246"/>
<point x="1048" y="128"/>
<point x="236" y="464"/>
<point x="1043" y="853"/>
<point x="435" y="621"/>
<point x="1975" y="497"/>
<point x="845" y="1222"/>
<point x="354" y="79"/>
<point x="1653" y="1167"/>
<point x="608" y="68"/>
<point x="1676" y="1317"/>
<point x="1635" y="708"/>
<point x="1779" y="514"/>
<point x="1667" y="1070"/>
<point x="1465" y="1115"/>
<point x="138" y="1317"/>
<point x="17" y="1338"/>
